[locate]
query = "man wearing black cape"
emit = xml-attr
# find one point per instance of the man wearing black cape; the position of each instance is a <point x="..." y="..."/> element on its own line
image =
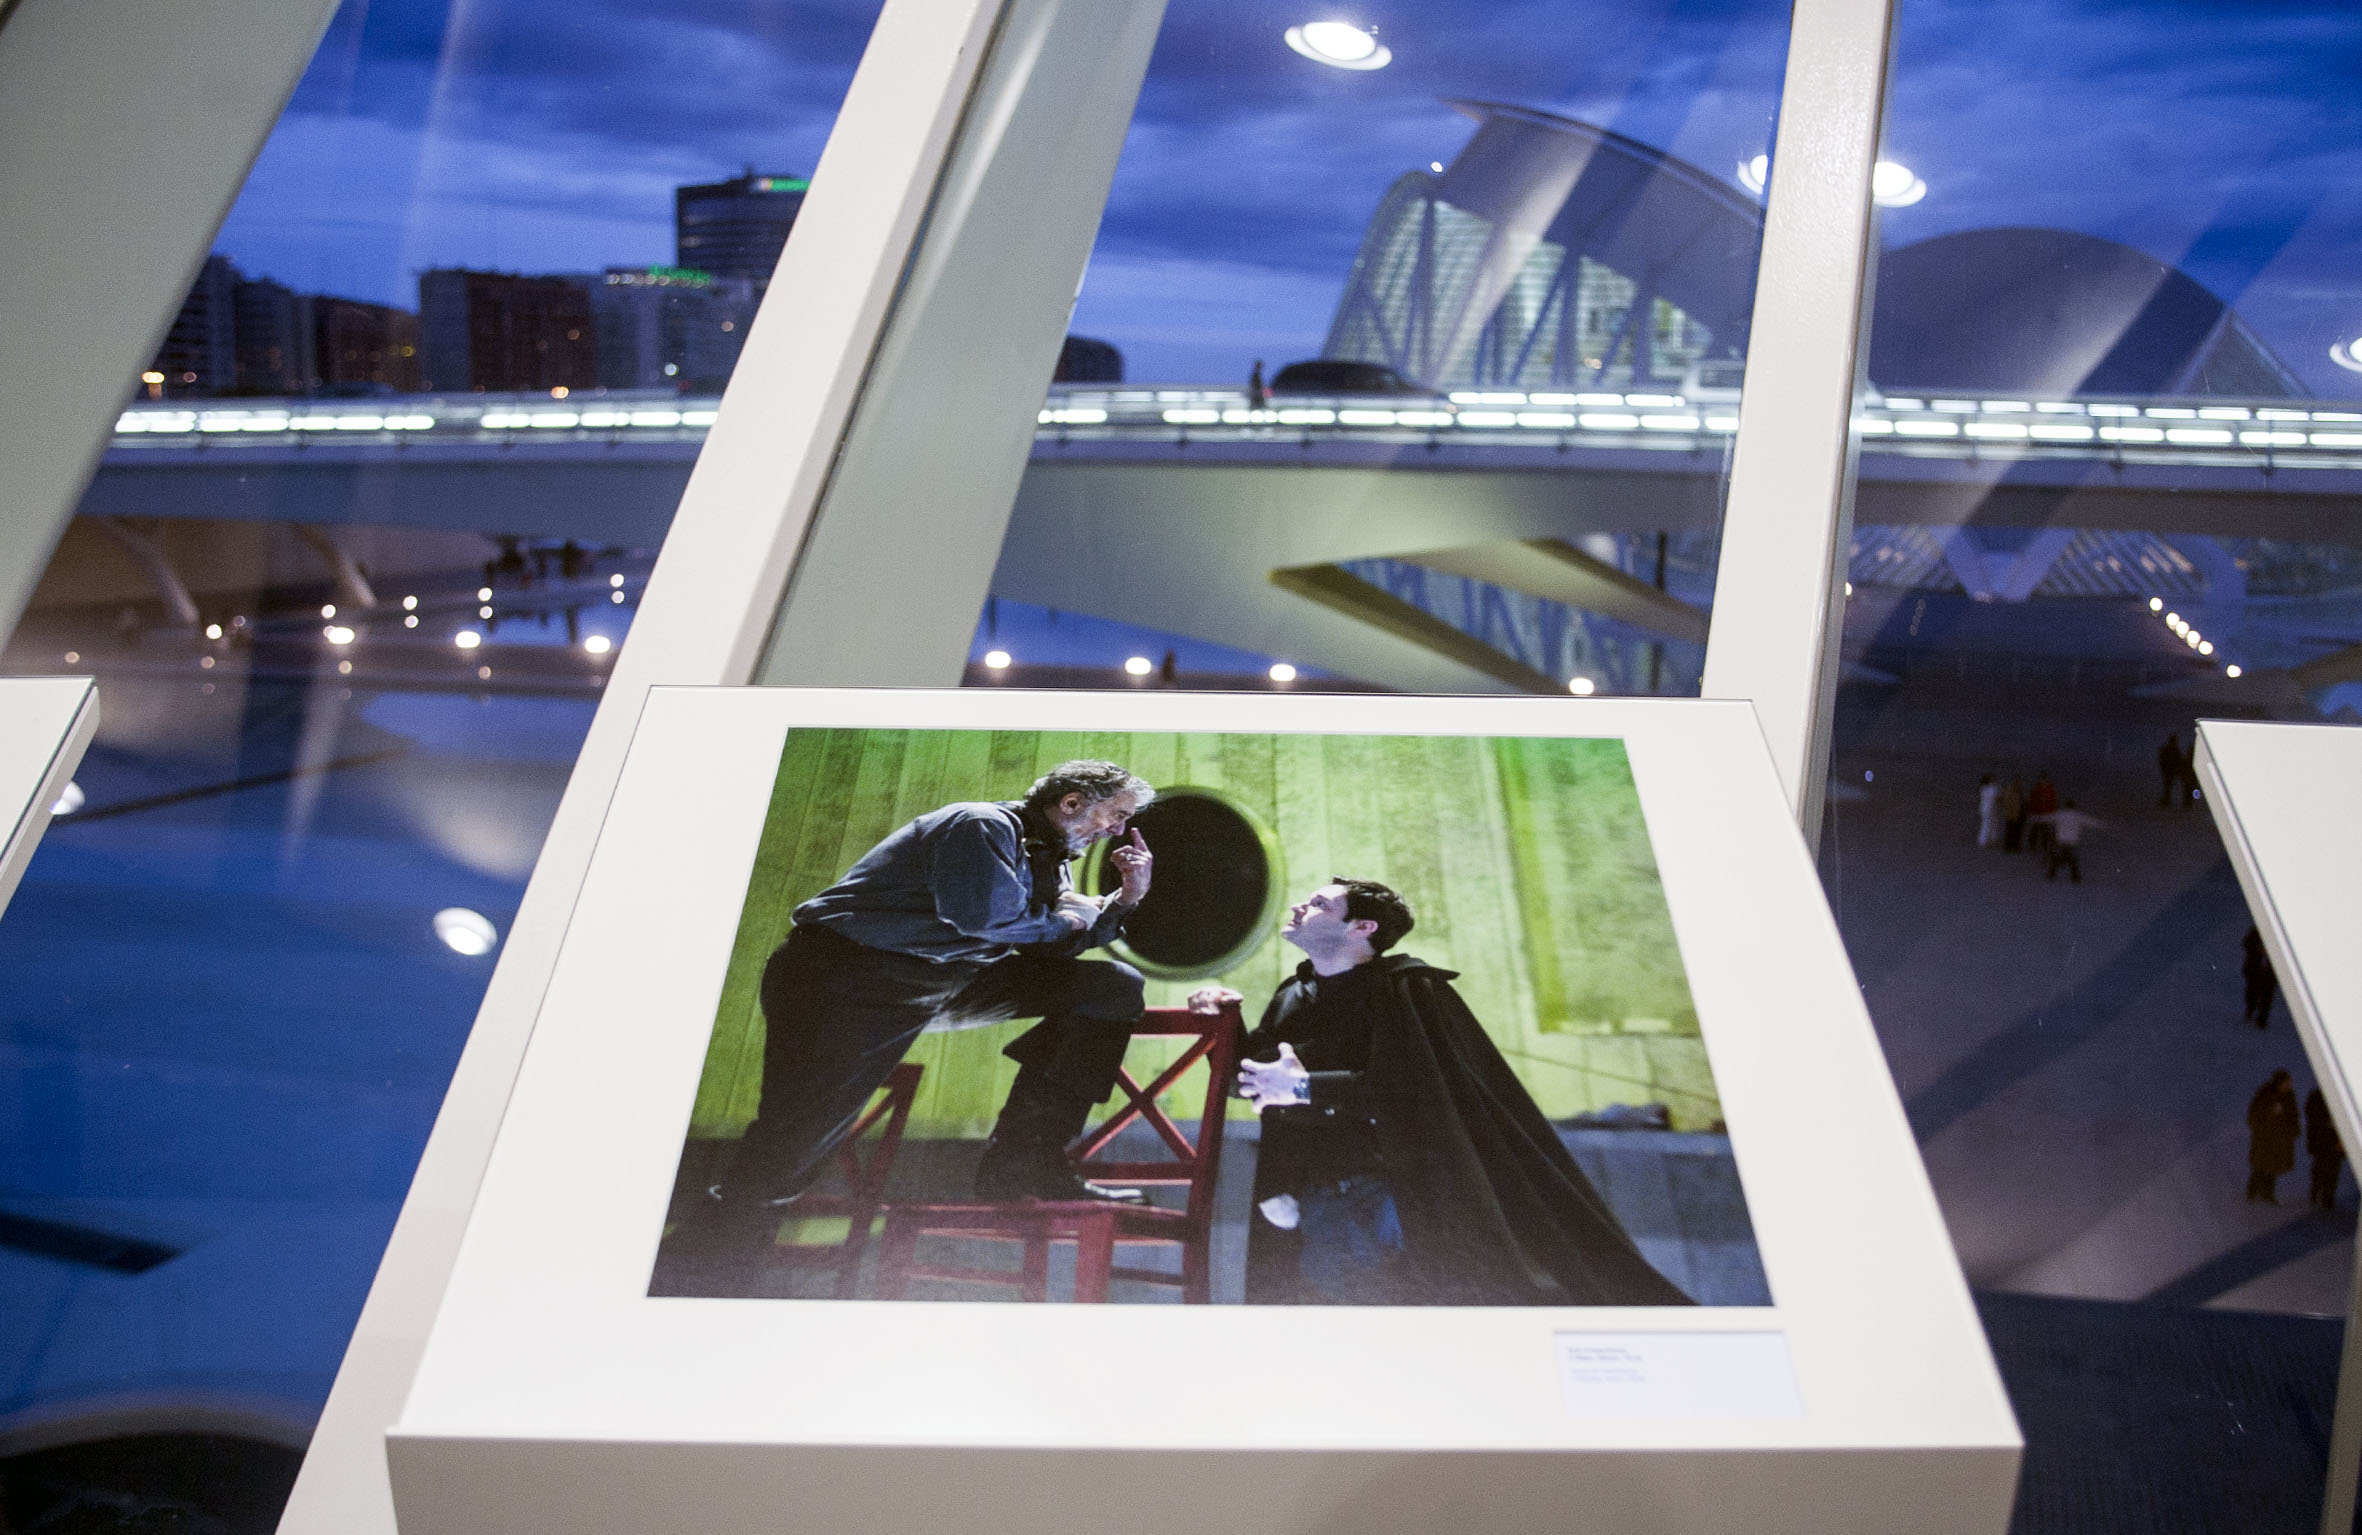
<point x="1402" y="1162"/>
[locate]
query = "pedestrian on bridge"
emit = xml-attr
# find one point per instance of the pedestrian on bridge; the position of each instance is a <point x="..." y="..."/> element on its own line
<point x="2329" y="1153"/>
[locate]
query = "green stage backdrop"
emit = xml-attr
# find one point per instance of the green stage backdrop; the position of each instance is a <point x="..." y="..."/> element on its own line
<point x="1526" y="860"/>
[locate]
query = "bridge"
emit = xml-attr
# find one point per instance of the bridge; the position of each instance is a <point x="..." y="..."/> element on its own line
<point x="1314" y="526"/>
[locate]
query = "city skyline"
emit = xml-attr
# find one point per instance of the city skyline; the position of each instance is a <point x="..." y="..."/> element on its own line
<point x="2215" y="137"/>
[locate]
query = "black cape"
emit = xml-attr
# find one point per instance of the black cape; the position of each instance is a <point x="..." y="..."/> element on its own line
<point x="1494" y="1209"/>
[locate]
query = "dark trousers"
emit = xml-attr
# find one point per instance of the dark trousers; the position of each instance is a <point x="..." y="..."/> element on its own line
<point x="839" y="1016"/>
<point x="2062" y="855"/>
<point x="2261" y="989"/>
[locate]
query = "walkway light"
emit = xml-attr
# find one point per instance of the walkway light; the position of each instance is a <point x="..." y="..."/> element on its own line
<point x="997" y="660"/>
<point x="598" y="644"/>
<point x="467" y="639"/>
<point x="1282" y="672"/>
<point x="1139" y="666"/>
<point x="337" y="634"/>
<point x="1581" y="687"/>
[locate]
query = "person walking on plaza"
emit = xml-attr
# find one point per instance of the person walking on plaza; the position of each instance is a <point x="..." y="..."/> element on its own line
<point x="1988" y="811"/>
<point x="2042" y="802"/>
<point x="2272" y="1122"/>
<point x="2172" y="765"/>
<point x="2065" y="828"/>
<point x="2013" y="815"/>
<point x="2255" y="968"/>
<point x="2328" y="1152"/>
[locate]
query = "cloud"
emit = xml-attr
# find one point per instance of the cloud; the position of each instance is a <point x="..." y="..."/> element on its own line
<point x="2221" y="134"/>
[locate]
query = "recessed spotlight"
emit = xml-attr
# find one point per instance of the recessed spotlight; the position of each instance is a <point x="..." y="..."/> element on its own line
<point x="615" y="580"/>
<point x="483" y="594"/>
<point x="998" y="660"/>
<point x="598" y="644"/>
<point x="213" y="631"/>
<point x="615" y="597"/>
<point x="465" y="932"/>
<point x="1581" y="687"/>
<point x="411" y="622"/>
<point x="484" y="611"/>
<point x="1340" y="45"/>
<point x="1282" y="672"/>
<point x="1894" y="186"/>
<point x="409" y="603"/>
<point x="327" y="610"/>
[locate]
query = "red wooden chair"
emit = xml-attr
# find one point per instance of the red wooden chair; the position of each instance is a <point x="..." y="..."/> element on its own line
<point x="865" y="1186"/>
<point x="1095" y="1227"/>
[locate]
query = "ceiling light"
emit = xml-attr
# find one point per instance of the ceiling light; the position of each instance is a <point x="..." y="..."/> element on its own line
<point x="465" y="932"/>
<point x="1282" y="672"/>
<point x="998" y="660"/>
<point x="1340" y="45"/>
<point x="1139" y="666"/>
<point x="1893" y="186"/>
<point x="338" y="634"/>
<point x="598" y="644"/>
<point x="467" y="639"/>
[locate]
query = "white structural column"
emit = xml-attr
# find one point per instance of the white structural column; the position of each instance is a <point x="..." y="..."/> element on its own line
<point x="1779" y="591"/>
<point x="126" y="130"/>
<point x="45" y="725"/>
<point x="2288" y="802"/>
<point x="702" y="620"/>
<point x="900" y="557"/>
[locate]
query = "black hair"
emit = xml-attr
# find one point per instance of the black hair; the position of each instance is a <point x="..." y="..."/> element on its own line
<point x="1368" y="901"/>
<point x="1093" y="780"/>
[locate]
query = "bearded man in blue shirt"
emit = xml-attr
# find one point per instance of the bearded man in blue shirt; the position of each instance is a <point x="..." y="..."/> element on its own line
<point x="965" y="916"/>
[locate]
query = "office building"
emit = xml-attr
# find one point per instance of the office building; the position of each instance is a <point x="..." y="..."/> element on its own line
<point x="736" y="228"/>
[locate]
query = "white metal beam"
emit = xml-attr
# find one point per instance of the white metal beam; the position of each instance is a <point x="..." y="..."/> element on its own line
<point x="702" y="619"/>
<point x="1778" y="596"/>
<point x="126" y="130"/>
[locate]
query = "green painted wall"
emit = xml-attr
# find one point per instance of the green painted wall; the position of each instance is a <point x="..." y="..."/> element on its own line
<point x="1527" y="862"/>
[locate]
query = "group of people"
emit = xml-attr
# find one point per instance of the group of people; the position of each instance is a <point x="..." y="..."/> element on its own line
<point x="2273" y="1124"/>
<point x="1402" y="1162"/>
<point x="2011" y="816"/>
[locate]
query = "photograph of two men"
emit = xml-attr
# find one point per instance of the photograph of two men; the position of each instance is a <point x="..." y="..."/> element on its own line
<point x="1265" y="1019"/>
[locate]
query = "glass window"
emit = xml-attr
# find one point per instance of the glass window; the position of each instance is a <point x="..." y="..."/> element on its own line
<point x="2110" y="428"/>
<point x="1408" y="357"/>
<point x="369" y="537"/>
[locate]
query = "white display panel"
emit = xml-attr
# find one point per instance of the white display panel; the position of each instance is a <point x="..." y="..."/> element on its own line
<point x="45" y="725"/>
<point x="556" y="1395"/>
<point x="2288" y="802"/>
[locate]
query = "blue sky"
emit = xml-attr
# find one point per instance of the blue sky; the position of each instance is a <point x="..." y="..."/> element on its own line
<point x="2223" y="137"/>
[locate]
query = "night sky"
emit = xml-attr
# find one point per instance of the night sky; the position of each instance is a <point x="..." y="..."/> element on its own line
<point x="2224" y="137"/>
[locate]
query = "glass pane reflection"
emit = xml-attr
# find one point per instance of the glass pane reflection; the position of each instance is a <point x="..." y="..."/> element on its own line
<point x="2109" y="435"/>
<point x="1511" y="270"/>
<point x="369" y="537"/>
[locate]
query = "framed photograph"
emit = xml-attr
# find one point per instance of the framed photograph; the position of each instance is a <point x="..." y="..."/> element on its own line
<point x="986" y="1091"/>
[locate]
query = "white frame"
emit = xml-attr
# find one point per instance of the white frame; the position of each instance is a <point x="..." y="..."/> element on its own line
<point x="46" y="723"/>
<point x="547" y="1336"/>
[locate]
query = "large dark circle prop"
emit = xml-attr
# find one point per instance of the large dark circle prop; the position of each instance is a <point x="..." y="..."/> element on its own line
<point x="1215" y="893"/>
